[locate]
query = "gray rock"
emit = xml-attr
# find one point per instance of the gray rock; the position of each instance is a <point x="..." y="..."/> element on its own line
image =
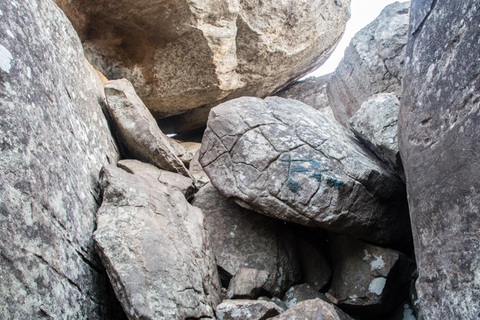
<point x="315" y="269"/>
<point x="299" y="293"/>
<point x="247" y="310"/>
<point x="54" y="139"/>
<point x="403" y="312"/>
<point x="154" y="246"/>
<point x="439" y="143"/>
<point x="197" y="172"/>
<point x="247" y="284"/>
<point x="311" y="91"/>
<point x="191" y="149"/>
<point x="245" y="239"/>
<point x="286" y="160"/>
<point x="313" y="309"/>
<point x="367" y="279"/>
<point x="375" y="124"/>
<point x="148" y="171"/>
<point x="137" y="128"/>
<point x="373" y="62"/>
<point x="181" y="54"/>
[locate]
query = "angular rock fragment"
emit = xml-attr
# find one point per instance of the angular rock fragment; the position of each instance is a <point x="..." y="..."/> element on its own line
<point x="247" y="284"/>
<point x="242" y="238"/>
<point x="367" y="279"/>
<point x="154" y="246"/>
<point x="313" y="309"/>
<point x="373" y="62"/>
<point x="191" y="149"/>
<point x="138" y="129"/>
<point x="375" y="124"/>
<point x="181" y="54"/>
<point x="286" y="160"/>
<point x="246" y="310"/>
<point x="197" y="172"/>
<point x="301" y="292"/>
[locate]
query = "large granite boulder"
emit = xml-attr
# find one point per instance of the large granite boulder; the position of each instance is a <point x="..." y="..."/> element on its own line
<point x="154" y="246"/>
<point x="313" y="309"/>
<point x="284" y="159"/>
<point x="137" y="128"/>
<point x="54" y="139"/>
<point x="373" y="62"/>
<point x="439" y="142"/>
<point x="181" y="54"/>
<point x="242" y="238"/>
<point x="247" y="310"/>
<point x="367" y="279"/>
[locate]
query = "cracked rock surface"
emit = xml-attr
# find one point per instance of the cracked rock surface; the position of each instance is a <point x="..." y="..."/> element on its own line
<point x="154" y="246"/>
<point x="180" y="54"/>
<point x="247" y="310"/>
<point x="373" y="62"/>
<point x="284" y="159"/>
<point x="313" y="309"/>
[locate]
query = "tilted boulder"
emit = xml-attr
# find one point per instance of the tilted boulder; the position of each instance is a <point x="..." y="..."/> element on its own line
<point x="247" y="284"/>
<point x="373" y="62"/>
<point x="137" y="128"/>
<point x="54" y="139"/>
<point x="439" y="143"/>
<point x="181" y="54"/>
<point x="301" y="292"/>
<point x="154" y="246"/>
<point x="313" y="309"/>
<point x="286" y="160"/>
<point x="247" y="310"/>
<point x="242" y="238"/>
<point x="367" y="279"/>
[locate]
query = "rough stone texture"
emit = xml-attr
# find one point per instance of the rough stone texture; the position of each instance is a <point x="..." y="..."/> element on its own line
<point x="375" y="124"/>
<point x="54" y="140"/>
<point x="313" y="309"/>
<point x="245" y="239"/>
<point x="247" y="283"/>
<point x="154" y="246"/>
<point x="247" y="310"/>
<point x="147" y="171"/>
<point x="138" y="129"/>
<point x="184" y="54"/>
<point x="197" y="172"/>
<point x="367" y="279"/>
<point x="299" y="293"/>
<point x="311" y="91"/>
<point x="315" y="269"/>
<point x="191" y="149"/>
<point x="373" y="62"/>
<point x="284" y="159"/>
<point x="439" y="142"/>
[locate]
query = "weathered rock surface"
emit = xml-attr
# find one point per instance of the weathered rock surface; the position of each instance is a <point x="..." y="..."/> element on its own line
<point x="154" y="246"/>
<point x="299" y="293"/>
<point x="313" y="309"/>
<point x="54" y="139"/>
<point x="373" y="62"/>
<point x="439" y="142"/>
<point x="182" y="54"/>
<point x="190" y="150"/>
<point x="138" y="129"/>
<point x="284" y="159"/>
<point x="311" y="91"/>
<point x="197" y="172"/>
<point x="148" y="171"/>
<point x="247" y="284"/>
<point x="245" y="239"/>
<point x="247" y="310"/>
<point x="367" y="279"/>
<point x="375" y="124"/>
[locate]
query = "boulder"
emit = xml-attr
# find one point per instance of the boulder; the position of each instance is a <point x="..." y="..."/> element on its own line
<point x="137" y="128"/>
<point x="284" y="159"/>
<point x="54" y="139"/>
<point x="148" y="171"/>
<point x="242" y="238"/>
<point x="154" y="246"/>
<point x="299" y="293"/>
<point x="373" y="62"/>
<point x="191" y="149"/>
<point x="247" y="283"/>
<point x="311" y="91"/>
<point x="313" y="309"/>
<point x="247" y="310"/>
<point x="439" y="141"/>
<point x="181" y="54"/>
<point x="197" y="172"/>
<point x="367" y="279"/>
<point x="375" y="125"/>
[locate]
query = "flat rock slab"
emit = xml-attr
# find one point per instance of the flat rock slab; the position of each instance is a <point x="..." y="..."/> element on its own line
<point x="154" y="246"/>
<point x="247" y="283"/>
<point x="247" y="310"/>
<point x="286" y="160"/>
<point x="313" y="310"/>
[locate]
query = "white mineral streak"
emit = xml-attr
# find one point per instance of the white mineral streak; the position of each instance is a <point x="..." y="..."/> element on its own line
<point x="5" y="59"/>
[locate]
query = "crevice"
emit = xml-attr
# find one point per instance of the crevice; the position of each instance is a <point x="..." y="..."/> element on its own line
<point x="422" y="23"/>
